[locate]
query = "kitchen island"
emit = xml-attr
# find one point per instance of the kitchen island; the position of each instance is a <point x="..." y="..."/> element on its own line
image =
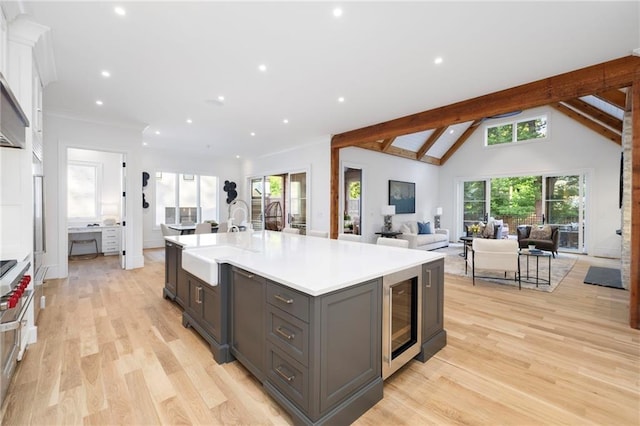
<point x="302" y="314"/>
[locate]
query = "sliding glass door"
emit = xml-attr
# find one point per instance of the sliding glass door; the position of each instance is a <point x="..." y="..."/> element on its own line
<point x="279" y="201"/>
<point x="564" y="207"/>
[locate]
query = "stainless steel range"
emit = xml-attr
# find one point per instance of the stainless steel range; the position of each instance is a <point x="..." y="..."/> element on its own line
<point x="14" y="300"/>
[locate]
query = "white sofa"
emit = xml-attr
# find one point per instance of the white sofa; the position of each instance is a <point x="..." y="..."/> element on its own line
<point x="438" y="239"/>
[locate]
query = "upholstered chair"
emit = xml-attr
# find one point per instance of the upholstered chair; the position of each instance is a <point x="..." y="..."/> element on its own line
<point x="496" y="255"/>
<point x="393" y="242"/>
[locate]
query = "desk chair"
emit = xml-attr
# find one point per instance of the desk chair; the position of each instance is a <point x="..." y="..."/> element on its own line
<point x="393" y="242"/>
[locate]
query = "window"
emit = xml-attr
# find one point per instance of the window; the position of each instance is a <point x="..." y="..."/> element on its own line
<point x="83" y="190"/>
<point x="518" y="131"/>
<point x="185" y="198"/>
<point x="474" y="201"/>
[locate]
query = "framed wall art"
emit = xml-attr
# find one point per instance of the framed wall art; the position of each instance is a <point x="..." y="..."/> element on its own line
<point x="403" y="196"/>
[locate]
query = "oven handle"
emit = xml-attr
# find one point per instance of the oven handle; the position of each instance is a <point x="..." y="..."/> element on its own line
<point x="17" y="323"/>
<point x="390" y="325"/>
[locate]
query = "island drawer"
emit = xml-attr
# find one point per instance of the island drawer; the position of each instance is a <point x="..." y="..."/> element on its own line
<point x="289" y="334"/>
<point x="290" y="301"/>
<point x="288" y="376"/>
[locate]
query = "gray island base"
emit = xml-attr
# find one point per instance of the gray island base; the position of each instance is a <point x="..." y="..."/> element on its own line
<point x="319" y="356"/>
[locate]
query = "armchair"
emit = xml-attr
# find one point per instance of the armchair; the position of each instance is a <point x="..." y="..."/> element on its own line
<point x="492" y="254"/>
<point x="541" y="241"/>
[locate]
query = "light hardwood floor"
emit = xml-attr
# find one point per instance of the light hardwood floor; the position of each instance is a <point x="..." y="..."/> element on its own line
<point x="110" y="350"/>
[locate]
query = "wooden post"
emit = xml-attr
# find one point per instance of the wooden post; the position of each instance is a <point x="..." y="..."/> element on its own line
<point x="634" y="285"/>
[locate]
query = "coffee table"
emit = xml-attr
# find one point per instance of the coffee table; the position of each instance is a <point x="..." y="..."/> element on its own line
<point x="537" y="254"/>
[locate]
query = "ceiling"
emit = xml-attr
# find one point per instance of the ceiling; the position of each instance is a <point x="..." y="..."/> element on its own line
<point x="170" y="61"/>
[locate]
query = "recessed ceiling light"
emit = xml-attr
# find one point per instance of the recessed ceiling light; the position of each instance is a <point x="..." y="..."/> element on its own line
<point x="452" y="131"/>
<point x="189" y="120"/>
<point x="437" y="60"/>
<point x="253" y="133"/>
<point x="106" y="74"/>
<point x="144" y="144"/>
<point x="285" y="121"/>
<point x="157" y="132"/>
<point x="341" y="99"/>
<point x="120" y="11"/>
<point x="237" y="156"/>
<point x="99" y="102"/>
<point x="221" y="98"/>
<point x="262" y="67"/>
<point x="337" y="12"/>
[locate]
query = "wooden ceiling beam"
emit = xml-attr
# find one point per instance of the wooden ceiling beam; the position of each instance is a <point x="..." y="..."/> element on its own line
<point x="598" y="78"/>
<point x="615" y="97"/>
<point x="461" y="140"/>
<point x="433" y="138"/>
<point x="587" y="122"/>
<point x="387" y="143"/>
<point x="589" y="110"/>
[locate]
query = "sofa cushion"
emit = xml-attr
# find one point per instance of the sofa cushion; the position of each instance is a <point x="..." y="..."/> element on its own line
<point x="424" y="239"/>
<point x="424" y="227"/>
<point x="404" y="228"/>
<point x="540" y="233"/>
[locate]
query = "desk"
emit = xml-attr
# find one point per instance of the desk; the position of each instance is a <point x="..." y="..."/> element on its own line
<point x="184" y="229"/>
<point x="108" y="238"/>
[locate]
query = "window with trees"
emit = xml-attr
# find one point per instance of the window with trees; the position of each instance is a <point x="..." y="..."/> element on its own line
<point x="517" y="131"/>
<point x="185" y="198"/>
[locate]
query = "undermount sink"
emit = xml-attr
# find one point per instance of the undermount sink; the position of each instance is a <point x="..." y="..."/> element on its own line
<point x="203" y="262"/>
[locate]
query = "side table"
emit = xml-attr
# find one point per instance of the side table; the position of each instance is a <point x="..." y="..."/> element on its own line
<point x="537" y="254"/>
<point x="389" y="234"/>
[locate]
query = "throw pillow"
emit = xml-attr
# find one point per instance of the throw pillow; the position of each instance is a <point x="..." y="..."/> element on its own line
<point x="540" y="232"/>
<point x="424" y="228"/>
<point x="413" y="226"/>
<point x="487" y="232"/>
<point x="405" y="229"/>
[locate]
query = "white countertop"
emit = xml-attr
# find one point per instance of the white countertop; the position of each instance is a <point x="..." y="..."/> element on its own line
<point x="312" y="265"/>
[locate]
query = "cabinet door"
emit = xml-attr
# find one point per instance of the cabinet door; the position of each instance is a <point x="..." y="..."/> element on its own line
<point x="170" y="267"/>
<point x="211" y="313"/>
<point x="432" y="298"/>
<point x="247" y="320"/>
<point x="182" y="282"/>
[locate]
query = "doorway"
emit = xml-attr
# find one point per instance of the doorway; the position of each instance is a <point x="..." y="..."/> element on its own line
<point x="279" y="201"/>
<point x="95" y="204"/>
<point x="351" y="194"/>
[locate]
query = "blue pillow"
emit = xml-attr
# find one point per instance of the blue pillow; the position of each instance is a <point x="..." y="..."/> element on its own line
<point x="424" y="227"/>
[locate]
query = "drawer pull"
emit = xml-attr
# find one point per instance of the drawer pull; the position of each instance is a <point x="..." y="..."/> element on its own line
<point x="283" y="299"/>
<point x="199" y="295"/>
<point x="283" y="333"/>
<point x="244" y="274"/>
<point x="284" y="376"/>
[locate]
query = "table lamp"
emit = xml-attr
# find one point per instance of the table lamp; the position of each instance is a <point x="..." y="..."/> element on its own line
<point x="387" y="212"/>
<point x="436" y="219"/>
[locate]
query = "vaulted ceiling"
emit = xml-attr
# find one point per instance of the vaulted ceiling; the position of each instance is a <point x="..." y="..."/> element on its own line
<point x="600" y="108"/>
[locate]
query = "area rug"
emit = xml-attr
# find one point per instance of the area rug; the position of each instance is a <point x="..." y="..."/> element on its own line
<point x="560" y="267"/>
<point x="607" y="277"/>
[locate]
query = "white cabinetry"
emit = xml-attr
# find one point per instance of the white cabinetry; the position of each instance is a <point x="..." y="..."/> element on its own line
<point x="110" y="240"/>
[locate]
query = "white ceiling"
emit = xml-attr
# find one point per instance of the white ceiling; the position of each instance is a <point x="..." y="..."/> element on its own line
<point x="169" y="61"/>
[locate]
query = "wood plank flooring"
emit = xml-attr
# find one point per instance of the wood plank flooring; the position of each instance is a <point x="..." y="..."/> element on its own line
<point x="110" y="350"/>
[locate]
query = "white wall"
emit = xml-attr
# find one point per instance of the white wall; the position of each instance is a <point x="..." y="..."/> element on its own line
<point x="155" y="160"/>
<point x="314" y="158"/>
<point x="61" y="133"/>
<point x="377" y="170"/>
<point x="569" y="148"/>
